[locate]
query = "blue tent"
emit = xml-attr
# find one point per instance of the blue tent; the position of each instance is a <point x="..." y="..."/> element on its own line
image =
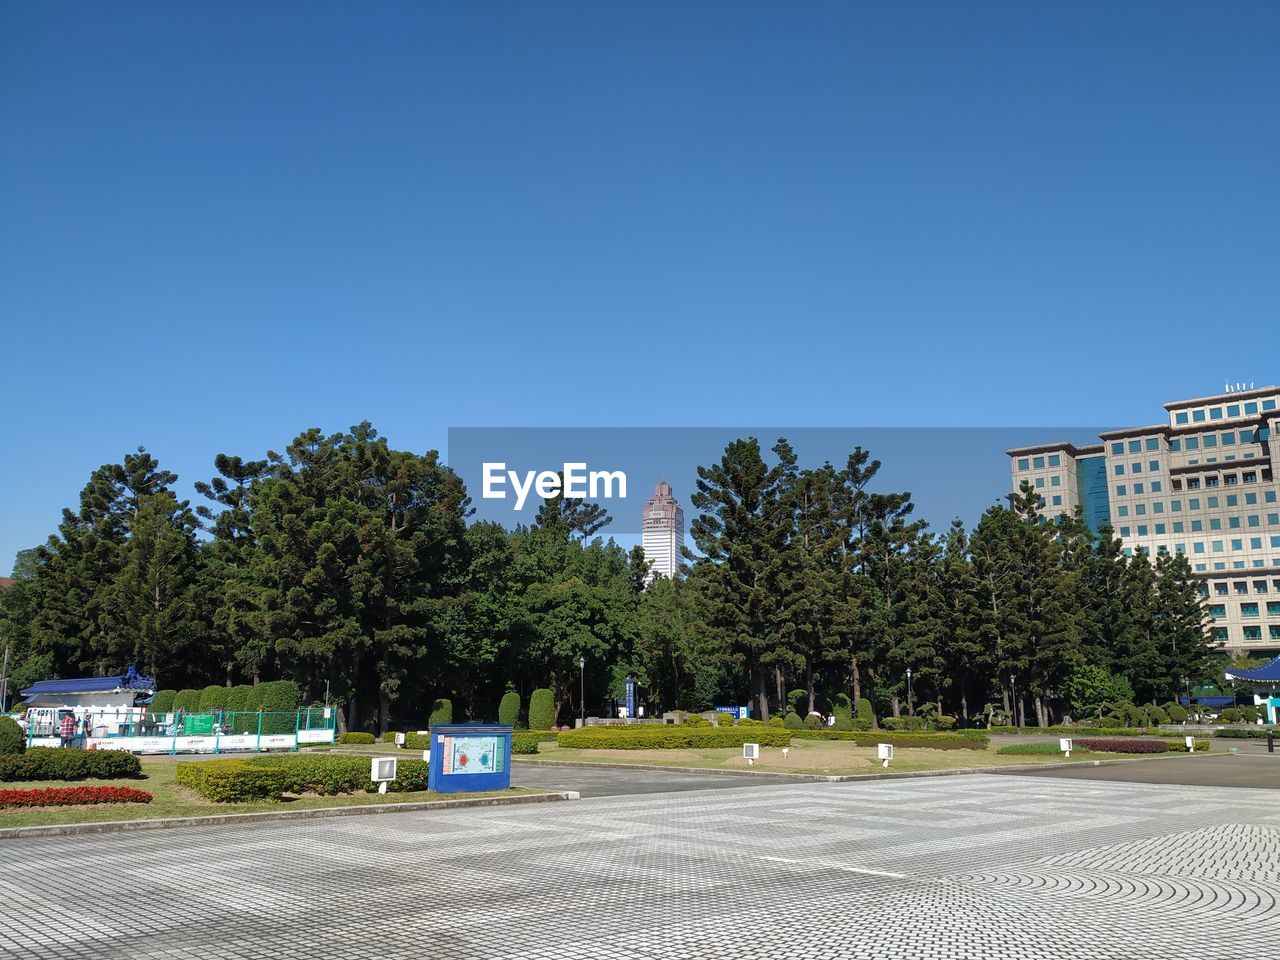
<point x="129" y="680"/>
<point x="1267" y="673"/>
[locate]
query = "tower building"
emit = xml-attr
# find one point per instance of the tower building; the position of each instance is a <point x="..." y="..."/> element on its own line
<point x="663" y="533"/>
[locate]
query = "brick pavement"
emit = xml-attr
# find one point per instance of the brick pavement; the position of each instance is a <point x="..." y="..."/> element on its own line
<point x="961" y="867"/>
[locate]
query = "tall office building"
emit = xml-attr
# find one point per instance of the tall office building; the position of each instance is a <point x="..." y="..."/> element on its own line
<point x="663" y="533"/>
<point x="1202" y="485"/>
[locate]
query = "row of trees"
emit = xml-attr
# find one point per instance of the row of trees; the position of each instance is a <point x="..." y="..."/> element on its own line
<point x="349" y="567"/>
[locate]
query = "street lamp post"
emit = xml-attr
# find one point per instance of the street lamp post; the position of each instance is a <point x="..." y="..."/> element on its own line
<point x="582" y="688"/>
<point x="911" y="703"/>
<point x="1013" y="699"/>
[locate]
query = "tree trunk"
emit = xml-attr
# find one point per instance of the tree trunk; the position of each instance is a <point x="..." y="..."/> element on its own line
<point x="808" y="669"/>
<point x="782" y="693"/>
<point x="384" y="710"/>
<point x="762" y="693"/>
<point x="964" y="703"/>
<point x="856" y="674"/>
<point x="353" y="708"/>
<point x="896" y="707"/>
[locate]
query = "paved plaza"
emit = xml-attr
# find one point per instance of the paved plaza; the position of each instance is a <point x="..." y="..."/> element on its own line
<point x="966" y="867"/>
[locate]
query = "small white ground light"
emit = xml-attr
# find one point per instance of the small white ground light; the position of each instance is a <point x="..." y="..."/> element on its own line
<point x="382" y="770"/>
<point x="1191" y="744"/>
<point x="1065" y="745"/>
<point x="751" y="752"/>
<point x="884" y="752"/>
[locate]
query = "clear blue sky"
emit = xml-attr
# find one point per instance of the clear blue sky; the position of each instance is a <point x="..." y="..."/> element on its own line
<point x="222" y="223"/>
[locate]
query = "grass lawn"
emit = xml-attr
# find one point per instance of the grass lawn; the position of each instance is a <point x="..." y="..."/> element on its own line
<point x="831" y="757"/>
<point x="169" y="799"/>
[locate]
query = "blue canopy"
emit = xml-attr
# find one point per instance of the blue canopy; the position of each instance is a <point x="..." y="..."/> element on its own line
<point x="129" y="680"/>
<point x="1267" y="673"/>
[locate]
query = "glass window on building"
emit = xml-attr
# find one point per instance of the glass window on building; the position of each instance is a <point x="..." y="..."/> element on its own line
<point x="1055" y="460"/>
<point x="1154" y="466"/>
<point x="1197" y="416"/>
<point x="1024" y="464"/>
<point x="1153" y="443"/>
<point x="1233" y="410"/>
<point x="1135" y="446"/>
<point x="1215" y="413"/>
<point x="1248" y="610"/>
<point x="1260" y="586"/>
<point x="1038" y="463"/>
<point x="1274" y="632"/>
<point x="1220" y="633"/>
<point x="1253" y="633"/>
<point x="1268" y="404"/>
<point x="1180" y="417"/>
<point x="1218" y="611"/>
<point x="1273" y="608"/>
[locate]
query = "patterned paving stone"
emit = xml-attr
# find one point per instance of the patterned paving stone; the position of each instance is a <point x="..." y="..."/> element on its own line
<point x="961" y="867"/>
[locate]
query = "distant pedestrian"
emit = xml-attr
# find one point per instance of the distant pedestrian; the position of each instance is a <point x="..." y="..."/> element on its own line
<point x="67" y="729"/>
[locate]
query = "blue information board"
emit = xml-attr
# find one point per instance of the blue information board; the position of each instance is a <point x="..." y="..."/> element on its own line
<point x="466" y="757"/>
<point x="630" y="697"/>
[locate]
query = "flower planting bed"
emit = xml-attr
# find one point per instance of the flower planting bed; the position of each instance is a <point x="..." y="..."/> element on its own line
<point x="71" y="796"/>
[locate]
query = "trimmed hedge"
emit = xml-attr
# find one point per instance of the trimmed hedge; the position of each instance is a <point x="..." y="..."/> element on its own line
<point x="525" y="743"/>
<point x="932" y="741"/>
<point x="71" y="796"/>
<point x="68" y="763"/>
<point x="187" y="700"/>
<point x="542" y="709"/>
<point x="671" y="737"/>
<point x="162" y="702"/>
<point x="356" y="736"/>
<point x="329" y="775"/>
<point x="1037" y="749"/>
<point x="1104" y="745"/>
<point x="1245" y="733"/>
<point x="389" y="736"/>
<point x="214" y="698"/>
<point x="12" y="740"/>
<point x="1180" y="746"/>
<point x="232" y="781"/>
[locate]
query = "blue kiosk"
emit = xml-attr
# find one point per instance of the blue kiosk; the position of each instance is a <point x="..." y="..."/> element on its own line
<point x="467" y="757"/>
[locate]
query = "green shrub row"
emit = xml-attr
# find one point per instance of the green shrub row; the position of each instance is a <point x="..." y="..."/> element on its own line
<point x="59" y="763"/>
<point x="1121" y="745"/>
<point x="525" y="743"/>
<point x="542" y="709"/>
<point x="232" y="781"/>
<point x="1036" y="749"/>
<point x="1180" y="746"/>
<point x="671" y="737"/>
<point x="356" y="736"/>
<point x="1245" y="733"/>
<point x="269" y="777"/>
<point x="932" y="741"/>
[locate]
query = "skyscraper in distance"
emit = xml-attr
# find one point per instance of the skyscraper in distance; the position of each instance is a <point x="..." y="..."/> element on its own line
<point x="663" y="533"/>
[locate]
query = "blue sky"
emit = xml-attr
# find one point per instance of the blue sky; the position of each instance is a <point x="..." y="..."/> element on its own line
<point x="223" y="223"/>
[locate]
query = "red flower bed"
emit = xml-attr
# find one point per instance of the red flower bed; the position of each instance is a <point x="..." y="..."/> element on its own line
<point x="1127" y="745"/>
<point x="71" y="796"/>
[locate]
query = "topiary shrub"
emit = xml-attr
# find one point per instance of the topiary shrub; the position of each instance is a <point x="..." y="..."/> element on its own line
<point x="842" y="707"/>
<point x="1249" y="714"/>
<point x="213" y="698"/>
<point x="842" y="724"/>
<point x="695" y="720"/>
<point x="12" y="740"/>
<point x="542" y="709"/>
<point x="795" y="698"/>
<point x="441" y="712"/>
<point x="162" y="702"/>
<point x="509" y="708"/>
<point x="792" y="721"/>
<point x="944" y="722"/>
<point x="356" y="736"/>
<point x="775" y="721"/>
<point x="865" y="713"/>
<point x="1229" y="715"/>
<point x="813" y="722"/>
<point x="1134" y="715"/>
<point x="187" y="700"/>
<point x="1156" y="716"/>
<point x="1176" y="712"/>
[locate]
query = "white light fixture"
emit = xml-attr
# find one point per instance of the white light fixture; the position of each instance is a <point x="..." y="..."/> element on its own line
<point x="751" y="752"/>
<point x="382" y="770"/>
<point x="785" y="752"/>
<point x="1064" y="745"/>
<point x="1191" y="744"/>
<point x="884" y="753"/>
